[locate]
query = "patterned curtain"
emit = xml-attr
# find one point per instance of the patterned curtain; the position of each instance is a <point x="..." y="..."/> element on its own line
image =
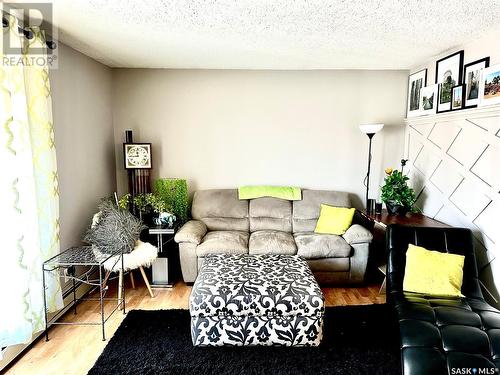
<point x="29" y="197"/>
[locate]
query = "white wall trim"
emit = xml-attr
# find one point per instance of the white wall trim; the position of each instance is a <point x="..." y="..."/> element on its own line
<point x="491" y="110"/>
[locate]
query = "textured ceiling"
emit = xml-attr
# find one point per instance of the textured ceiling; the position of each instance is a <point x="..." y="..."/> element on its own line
<point x="270" y="34"/>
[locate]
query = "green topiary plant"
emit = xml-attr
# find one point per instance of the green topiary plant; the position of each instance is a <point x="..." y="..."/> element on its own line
<point x="397" y="195"/>
<point x="174" y="192"/>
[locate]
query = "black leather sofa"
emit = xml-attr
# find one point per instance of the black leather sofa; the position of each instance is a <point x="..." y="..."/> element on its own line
<point x="442" y="335"/>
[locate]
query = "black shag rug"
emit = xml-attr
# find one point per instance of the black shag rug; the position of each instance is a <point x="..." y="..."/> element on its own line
<point x="357" y="340"/>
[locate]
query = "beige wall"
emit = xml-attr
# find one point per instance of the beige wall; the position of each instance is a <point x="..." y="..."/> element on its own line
<point x="81" y="98"/>
<point x="228" y="128"/>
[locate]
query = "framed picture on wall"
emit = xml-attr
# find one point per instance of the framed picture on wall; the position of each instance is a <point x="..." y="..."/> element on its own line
<point x="457" y="97"/>
<point x="137" y="155"/>
<point x="416" y="81"/>
<point x="489" y="88"/>
<point x="428" y="100"/>
<point x="472" y="77"/>
<point x="445" y="106"/>
<point x="448" y="74"/>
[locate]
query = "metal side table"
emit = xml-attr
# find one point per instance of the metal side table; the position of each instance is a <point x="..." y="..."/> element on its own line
<point x="79" y="264"/>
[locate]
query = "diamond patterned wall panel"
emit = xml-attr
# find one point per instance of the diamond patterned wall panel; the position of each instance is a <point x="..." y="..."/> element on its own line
<point x="429" y="202"/>
<point x="487" y="167"/>
<point x="426" y="162"/>
<point x="467" y="147"/>
<point x="468" y="200"/>
<point x="446" y="178"/>
<point x="490" y="124"/>
<point x="417" y="180"/>
<point x="443" y="134"/>
<point x="487" y="221"/>
<point x="454" y="167"/>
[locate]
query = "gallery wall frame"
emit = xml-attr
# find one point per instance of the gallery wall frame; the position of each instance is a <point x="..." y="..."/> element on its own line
<point x="416" y="81"/>
<point x="489" y="88"/>
<point x="457" y="97"/>
<point x="449" y="71"/>
<point x="472" y="79"/>
<point x="428" y="100"/>
<point x="445" y="106"/>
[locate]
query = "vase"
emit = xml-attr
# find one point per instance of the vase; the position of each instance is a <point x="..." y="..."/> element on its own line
<point x="167" y="219"/>
<point x="394" y="208"/>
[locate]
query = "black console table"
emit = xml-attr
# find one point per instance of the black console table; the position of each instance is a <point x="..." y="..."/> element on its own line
<point x="163" y="269"/>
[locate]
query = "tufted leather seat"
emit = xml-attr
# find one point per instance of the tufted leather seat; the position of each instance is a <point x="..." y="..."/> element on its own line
<point x="442" y="335"/>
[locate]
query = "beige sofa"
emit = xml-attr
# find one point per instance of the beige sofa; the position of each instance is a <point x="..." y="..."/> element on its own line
<point x="223" y="224"/>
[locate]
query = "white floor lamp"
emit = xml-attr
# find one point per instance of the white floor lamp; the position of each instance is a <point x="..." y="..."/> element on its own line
<point x="370" y="130"/>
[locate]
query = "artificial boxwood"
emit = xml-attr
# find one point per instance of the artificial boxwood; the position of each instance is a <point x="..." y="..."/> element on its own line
<point x="174" y="192"/>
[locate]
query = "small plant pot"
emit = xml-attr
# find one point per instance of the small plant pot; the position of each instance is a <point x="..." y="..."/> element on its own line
<point x="396" y="209"/>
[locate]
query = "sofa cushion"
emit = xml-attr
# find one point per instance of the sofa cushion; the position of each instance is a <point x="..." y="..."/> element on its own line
<point x="223" y="242"/>
<point x="314" y="246"/>
<point x="433" y="272"/>
<point x="306" y="211"/>
<point x="272" y="242"/>
<point x="334" y="220"/>
<point x="220" y="209"/>
<point x="357" y="234"/>
<point x="270" y="214"/>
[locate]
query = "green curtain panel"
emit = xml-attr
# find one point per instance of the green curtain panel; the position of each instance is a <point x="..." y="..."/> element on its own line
<point x="29" y="193"/>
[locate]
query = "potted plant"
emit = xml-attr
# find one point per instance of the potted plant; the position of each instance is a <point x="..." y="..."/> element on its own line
<point x="150" y="208"/>
<point x="399" y="198"/>
<point x="174" y="192"/>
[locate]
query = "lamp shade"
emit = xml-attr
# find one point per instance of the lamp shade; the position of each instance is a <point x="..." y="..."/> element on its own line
<point x="371" y="128"/>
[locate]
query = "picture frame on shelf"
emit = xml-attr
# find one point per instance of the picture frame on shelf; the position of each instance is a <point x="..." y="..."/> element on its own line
<point x="489" y="88"/>
<point x="445" y="106"/>
<point x="457" y="97"/>
<point x="472" y="79"/>
<point x="449" y="71"/>
<point x="428" y="100"/>
<point x="416" y="81"/>
<point x="137" y="155"/>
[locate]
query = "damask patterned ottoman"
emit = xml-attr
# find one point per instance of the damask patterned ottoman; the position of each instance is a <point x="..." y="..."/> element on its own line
<point x="245" y="300"/>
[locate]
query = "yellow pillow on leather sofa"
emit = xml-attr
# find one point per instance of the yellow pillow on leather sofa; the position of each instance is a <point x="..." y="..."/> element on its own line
<point x="334" y="220"/>
<point x="433" y="273"/>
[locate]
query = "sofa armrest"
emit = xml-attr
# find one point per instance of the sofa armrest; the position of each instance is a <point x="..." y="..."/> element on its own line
<point x="193" y="232"/>
<point x="359" y="262"/>
<point x="357" y="234"/>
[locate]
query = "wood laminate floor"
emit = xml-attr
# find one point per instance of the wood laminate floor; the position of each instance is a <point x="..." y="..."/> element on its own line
<point x="74" y="349"/>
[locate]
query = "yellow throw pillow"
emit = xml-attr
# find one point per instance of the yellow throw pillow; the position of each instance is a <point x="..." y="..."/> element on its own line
<point x="334" y="220"/>
<point x="433" y="273"/>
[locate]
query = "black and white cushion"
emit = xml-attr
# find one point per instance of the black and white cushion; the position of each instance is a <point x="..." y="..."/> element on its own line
<point x="256" y="300"/>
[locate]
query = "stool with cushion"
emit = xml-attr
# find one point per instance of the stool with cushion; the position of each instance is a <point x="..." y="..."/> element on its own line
<point x="117" y="229"/>
<point x="141" y="256"/>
